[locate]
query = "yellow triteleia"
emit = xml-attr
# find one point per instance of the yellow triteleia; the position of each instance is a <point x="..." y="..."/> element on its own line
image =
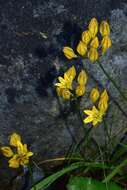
<point x="94" y="116"/>
<point x="80" y="90"/>
<point x="69" y="53"/>
<point x="104" y="28"/>
<point x="65" y="82"/>
<point x="106" y="43"/>
<point x="93" y="27"/>
<point x="95" y="43"/>
<point x="86" y="37"/>
<point x="14" y="139"/>
<point x="93" y="54"/>
<point x="7" y="151"/>
<point x="82" y="48"/>
<point x="94" y="95"/>
<point x="71" y="72"/>
<point x="82" y="77"/>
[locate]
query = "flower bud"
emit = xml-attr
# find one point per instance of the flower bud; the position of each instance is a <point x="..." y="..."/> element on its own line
<point x="103" y="102"/>
<point x="82" y="48"/>
<point x="93" y="27"/>
<point x="82" y="78"/>
<point x="66" y="94"/>
<point x="93" y="54"/>
<point x="104" y="28"/>
<point x="80" y="90"/>
<point x="86" y="37"/>
<point x="14" y="139"/>
<point x="104" y="95"/>
<point x="103" y="106"/>
<point x="105" y="43"/>
<point x="58" y="90"/>
<point x="94" y="95"/>
<point x="71" y="73"/>
<point x="69" y="53"/>
<point x="95" y="43"/>
<point x="7" y="151"/>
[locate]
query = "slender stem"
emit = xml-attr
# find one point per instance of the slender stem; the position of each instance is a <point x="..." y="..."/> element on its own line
<point x="31" y="175"/>
<point x="112" y="81"/>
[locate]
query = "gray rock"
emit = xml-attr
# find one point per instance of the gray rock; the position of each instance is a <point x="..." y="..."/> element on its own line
<point x="32" y="37"/>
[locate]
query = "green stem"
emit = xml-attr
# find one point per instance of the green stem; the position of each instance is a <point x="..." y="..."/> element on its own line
<point x="31" y="175"/>
<point x="112" y="81"/>
<point x="115" y="171"/>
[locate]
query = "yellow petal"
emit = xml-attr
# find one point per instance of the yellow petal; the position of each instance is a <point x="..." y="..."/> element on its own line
<point x="80" y="90"/>
<point x="14" y="138"/>
<point x="95" y="43"/>
<point x="93" y="54"/>
<point x="89" y="119"/>
<point x="69" y="53"/>
<point x="86" y="37"/>
<point x="20" y="148"/>
<point x="88" y="112"/>
<point x="82" y="77"/>
<point x="71" y="72"/>
<point x="104" y="28"/>
<point x="6" y="151"/>
<point x="29" y="154"/>
<point x="82" y="48"/>
<point x="93" y="27"/>
<point x="14" y="162"/>
<point x="94" y="95"/>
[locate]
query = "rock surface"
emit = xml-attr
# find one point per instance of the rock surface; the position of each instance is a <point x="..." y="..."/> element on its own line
<point x="32" y="34"/>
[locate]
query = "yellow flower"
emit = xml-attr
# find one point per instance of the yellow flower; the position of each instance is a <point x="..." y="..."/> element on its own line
<point x="7" y="151"/>
<point x="93" y="54"/>
<point x="14" y="139"/>
<point x="103" y="102"/>
<point x="22" y="156"/>
<point x="69" y="53"/>
<point x="80" y="90"/>
<point x="95" y="116"/>
<point x="105" y="43"/>
<point x="95" y="43"/>
<point x="82" y="78"/>
<point x="82" y="48"/>
<point x="86" y="37"/>
<point x="71" y="72"/>
<point x="66" y="94"/>
<point x="93" y="27"/>
<point x="94" y="95"/>
<point x="104" y="28"/>
<point x="65" y="82"/>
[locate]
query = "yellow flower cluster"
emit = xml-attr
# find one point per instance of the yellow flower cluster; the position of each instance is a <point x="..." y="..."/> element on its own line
<point x="90" y="45"/>
<point x="96" y="114"/>
<point x="65" y="88"/>
<point x="21" y="157"/>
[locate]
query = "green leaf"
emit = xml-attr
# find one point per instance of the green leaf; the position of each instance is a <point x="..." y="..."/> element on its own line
<point x="85" y="183"/>
<point x="43" y="184"/>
